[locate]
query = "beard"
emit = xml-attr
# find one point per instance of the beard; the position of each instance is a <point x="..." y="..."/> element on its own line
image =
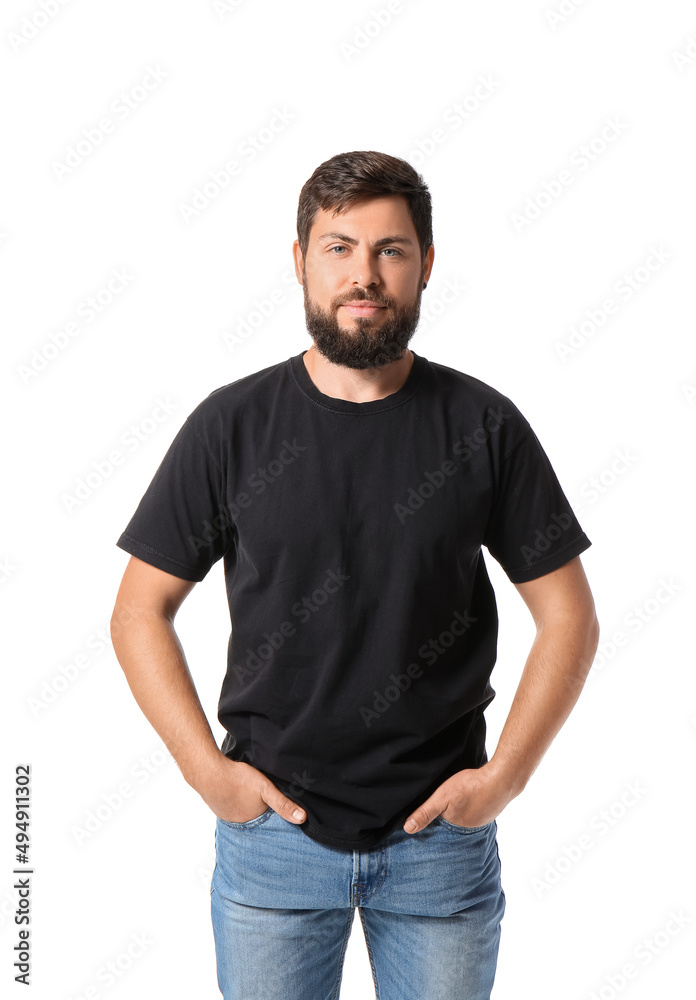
<point x="367" y="344"/>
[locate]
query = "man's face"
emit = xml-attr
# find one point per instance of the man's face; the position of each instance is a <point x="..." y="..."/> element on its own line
<point x="362" y="278"/>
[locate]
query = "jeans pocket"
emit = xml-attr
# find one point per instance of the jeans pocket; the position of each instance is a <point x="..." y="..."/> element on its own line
<point x="247" y="824"/>
<point x="464" y="829"/>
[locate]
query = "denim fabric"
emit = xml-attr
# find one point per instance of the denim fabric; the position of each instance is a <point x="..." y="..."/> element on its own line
<point x="283" y="905"/>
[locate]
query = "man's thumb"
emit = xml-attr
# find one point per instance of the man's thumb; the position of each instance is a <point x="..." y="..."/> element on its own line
<point x="288" y="809"/>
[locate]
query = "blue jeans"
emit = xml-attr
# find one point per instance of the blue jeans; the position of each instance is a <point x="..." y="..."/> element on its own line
<point x="282" y="907"/>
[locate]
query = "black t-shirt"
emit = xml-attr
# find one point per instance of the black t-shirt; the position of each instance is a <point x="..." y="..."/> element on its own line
<point x="364" y="624"/>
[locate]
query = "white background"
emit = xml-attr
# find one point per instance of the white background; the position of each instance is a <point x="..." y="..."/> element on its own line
<point x="575" y="916"/>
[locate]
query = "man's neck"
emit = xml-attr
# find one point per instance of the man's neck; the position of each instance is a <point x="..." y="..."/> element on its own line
<point x="357" y="385"/>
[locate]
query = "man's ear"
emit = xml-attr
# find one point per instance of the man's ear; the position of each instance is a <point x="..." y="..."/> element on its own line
<point x="299" y="260"/>
<point x="428" y="263"/>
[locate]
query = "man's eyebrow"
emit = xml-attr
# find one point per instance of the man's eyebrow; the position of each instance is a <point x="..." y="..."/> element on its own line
<point x="385" y="241"/>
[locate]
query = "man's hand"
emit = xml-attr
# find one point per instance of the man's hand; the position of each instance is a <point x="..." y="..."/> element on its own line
<point x="149" y="651"/>
<point x="556" y="668"/>
<point x="237" y="792"/>
<point x="472" y="797"/>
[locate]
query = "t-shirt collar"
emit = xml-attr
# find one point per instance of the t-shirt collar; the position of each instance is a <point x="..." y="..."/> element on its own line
<point x="305" y="384"/>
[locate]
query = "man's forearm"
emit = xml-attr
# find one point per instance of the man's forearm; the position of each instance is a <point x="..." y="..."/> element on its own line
<point x="153" y="661"/>
<point x="553" y="677"/>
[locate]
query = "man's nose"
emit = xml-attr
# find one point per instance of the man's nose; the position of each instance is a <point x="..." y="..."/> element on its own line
<point x="364" y="269"/>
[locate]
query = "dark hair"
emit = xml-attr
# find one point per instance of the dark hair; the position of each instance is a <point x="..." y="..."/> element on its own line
<point x="338" y="182"/>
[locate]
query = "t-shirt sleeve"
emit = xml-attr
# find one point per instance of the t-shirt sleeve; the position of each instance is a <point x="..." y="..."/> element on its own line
<point x="182" y="524"/>
<point x="532" y="529"/>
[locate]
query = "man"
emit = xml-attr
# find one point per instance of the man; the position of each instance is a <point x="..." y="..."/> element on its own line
<point x="349" y="490"/>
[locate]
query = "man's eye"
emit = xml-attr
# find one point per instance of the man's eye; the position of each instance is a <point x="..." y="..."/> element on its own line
<point x="392" y="251"/>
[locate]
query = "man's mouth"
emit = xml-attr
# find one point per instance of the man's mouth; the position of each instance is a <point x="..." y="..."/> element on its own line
<point x="362" y="308"/>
